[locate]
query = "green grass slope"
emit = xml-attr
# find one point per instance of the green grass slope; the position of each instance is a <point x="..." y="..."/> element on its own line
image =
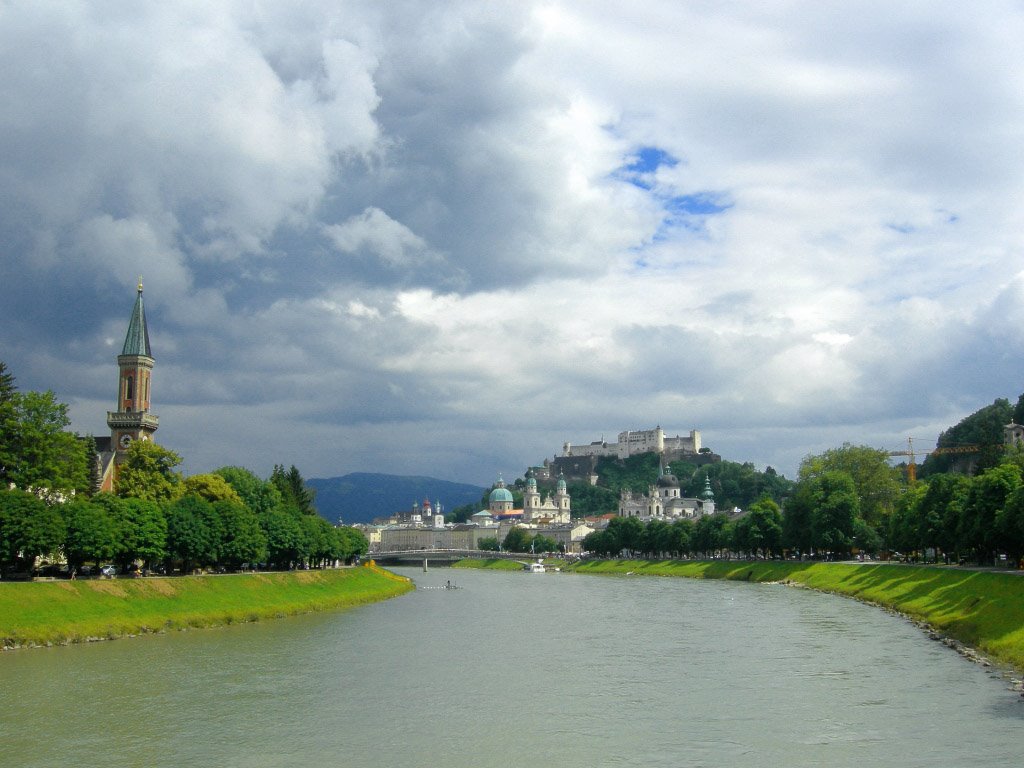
<point x="37" y="613"/>
<point x="982" y="609"/>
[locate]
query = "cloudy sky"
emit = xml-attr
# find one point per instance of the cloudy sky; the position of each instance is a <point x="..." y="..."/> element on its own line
<point x="443" y="238"/>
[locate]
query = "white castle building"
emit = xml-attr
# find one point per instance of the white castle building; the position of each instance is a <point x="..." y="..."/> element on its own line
<point x="632" y="443"/>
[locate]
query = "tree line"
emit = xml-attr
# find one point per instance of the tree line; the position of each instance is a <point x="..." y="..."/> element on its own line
<point x="850" y="500"/>
<point x="757" y="533"/>
<point x="156" y="518"/>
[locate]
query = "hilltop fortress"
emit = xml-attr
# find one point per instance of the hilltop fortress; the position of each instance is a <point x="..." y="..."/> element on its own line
<point x="631" y="443"/>
<point x="580" y="461"/>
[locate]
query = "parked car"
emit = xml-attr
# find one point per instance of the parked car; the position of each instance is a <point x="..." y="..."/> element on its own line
<point x="110" y="571"/>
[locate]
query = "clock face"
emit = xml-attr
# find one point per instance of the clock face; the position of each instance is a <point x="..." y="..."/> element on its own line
<point x="126" y="440"/>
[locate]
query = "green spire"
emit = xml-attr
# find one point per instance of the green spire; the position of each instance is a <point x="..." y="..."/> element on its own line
<point x="136" y="342"/>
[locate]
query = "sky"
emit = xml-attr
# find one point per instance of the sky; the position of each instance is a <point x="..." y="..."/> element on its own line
<point x="444" y="238"/>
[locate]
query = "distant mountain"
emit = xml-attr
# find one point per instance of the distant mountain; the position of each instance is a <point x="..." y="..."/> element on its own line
<point x="359" y="497"/>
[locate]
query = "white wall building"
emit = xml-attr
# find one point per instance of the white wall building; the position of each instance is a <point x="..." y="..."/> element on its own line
<point x="631" y="443"/>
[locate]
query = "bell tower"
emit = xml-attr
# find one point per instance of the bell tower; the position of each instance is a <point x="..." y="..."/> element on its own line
<point x="132" y="419"/>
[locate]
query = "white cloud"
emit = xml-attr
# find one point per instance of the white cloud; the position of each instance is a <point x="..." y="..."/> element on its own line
<point x="377" y="225"/>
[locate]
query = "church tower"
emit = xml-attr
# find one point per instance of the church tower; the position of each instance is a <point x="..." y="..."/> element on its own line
<point x="531" y="497"/>
<point x="132" y="419"/>
<point x="562" y="495"/>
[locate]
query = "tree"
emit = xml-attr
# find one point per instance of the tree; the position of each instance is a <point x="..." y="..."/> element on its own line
<point x="148" y="473"/>
<point x="763" y="527"/>
<point x="194" y="532"/>
<point x="1010" y="524"/>
<point x="284" y="536"/>
<point x="711" y="534"/>
<point x="461" y="513"/>
<point x="144" y="531"/>
<point x="28" y="528"/>
<point x="680" y="537"/>
<point x="351" y="543"/>
<point x="836" y="506"/>
<point x="293" y="489"/>
<point x="35" y="450"/>
<point x="258" y="495"/>
<point x="987" y="495"/>
<point x="488" y="544"/>
<point x="875" y="483"/>
<point x="517" y="540"/>
<point x="319" y="538"/>
<point x="655" y="538"/>
<point x="626" y="533"/>
<point x="243" y="540"/>
<point x="92" y="534"/>
<point x="796" y="520"/>
<point x="543" y="543"/>
<point x="904" y="529"/>
<point x="601" y="543"/>
<point x="211" y="487"/>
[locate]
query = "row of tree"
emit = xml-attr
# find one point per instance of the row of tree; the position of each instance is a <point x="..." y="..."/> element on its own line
<point x="226" y="519"/>
<point x="156" y="516"/>
<point x="519" y="540"/>
<point x="847" y="500"/>
<point x="757" y="533"/>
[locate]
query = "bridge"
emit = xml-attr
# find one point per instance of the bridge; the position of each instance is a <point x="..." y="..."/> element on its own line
<point x="443" y="555"/>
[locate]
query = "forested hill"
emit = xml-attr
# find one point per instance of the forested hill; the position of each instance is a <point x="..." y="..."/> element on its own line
<point x="359" y="497"/>
<point x="983" y="429"/>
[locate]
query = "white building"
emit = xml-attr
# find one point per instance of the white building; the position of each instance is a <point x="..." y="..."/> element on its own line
<point x="664" y="501"/>
<point x="633" y="443"/>
<point x="553" y="510"/>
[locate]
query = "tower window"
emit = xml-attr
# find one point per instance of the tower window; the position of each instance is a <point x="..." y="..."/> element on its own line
<point x="129" y="387"/>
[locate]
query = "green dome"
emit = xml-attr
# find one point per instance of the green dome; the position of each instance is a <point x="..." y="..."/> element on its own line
<point x="501" y="494"/>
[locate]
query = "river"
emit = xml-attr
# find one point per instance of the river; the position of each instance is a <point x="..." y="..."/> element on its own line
<point x="516" y="669"/>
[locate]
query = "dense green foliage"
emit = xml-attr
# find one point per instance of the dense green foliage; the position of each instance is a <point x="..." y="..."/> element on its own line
<point x="984" y="429"/>
<point x="36" y="451"/>
<point x="157" y="518"/>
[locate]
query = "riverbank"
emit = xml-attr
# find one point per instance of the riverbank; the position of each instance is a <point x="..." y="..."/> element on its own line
<point x="983" y="610"/>
<point x="61" y="612"/>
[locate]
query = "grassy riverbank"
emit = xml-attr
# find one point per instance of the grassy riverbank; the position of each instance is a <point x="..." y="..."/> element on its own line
<point x="981" y="609"/>
<point x="38" y="613"/>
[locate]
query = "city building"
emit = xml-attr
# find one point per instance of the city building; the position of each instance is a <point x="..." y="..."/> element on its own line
<point x="664" y="501"/>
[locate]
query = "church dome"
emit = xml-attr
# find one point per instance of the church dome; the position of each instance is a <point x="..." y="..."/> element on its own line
<point x="500" y="494"/>
<point x="668" y="481"/>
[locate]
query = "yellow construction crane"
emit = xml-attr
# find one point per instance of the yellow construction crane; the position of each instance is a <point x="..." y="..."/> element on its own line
<point x="911" y="455"/>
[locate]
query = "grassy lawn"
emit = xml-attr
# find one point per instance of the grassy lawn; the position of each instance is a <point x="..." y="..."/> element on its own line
<point x="72" y="611"/>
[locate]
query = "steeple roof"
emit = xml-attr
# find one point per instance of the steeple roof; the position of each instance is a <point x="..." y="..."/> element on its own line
<point x="136" y="341"/>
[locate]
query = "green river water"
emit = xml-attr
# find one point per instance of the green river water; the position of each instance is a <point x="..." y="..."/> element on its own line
<point x="516" y="669"/>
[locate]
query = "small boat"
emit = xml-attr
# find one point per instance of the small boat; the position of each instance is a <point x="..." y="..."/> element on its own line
<point x="537" y="567"/>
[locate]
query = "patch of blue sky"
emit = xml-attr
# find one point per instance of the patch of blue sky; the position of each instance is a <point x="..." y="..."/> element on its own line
<point x="650" y="159"/>
<point x="641" y="168"/>
<point x="682" y="212"/>
<point x="699" y="204"/>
